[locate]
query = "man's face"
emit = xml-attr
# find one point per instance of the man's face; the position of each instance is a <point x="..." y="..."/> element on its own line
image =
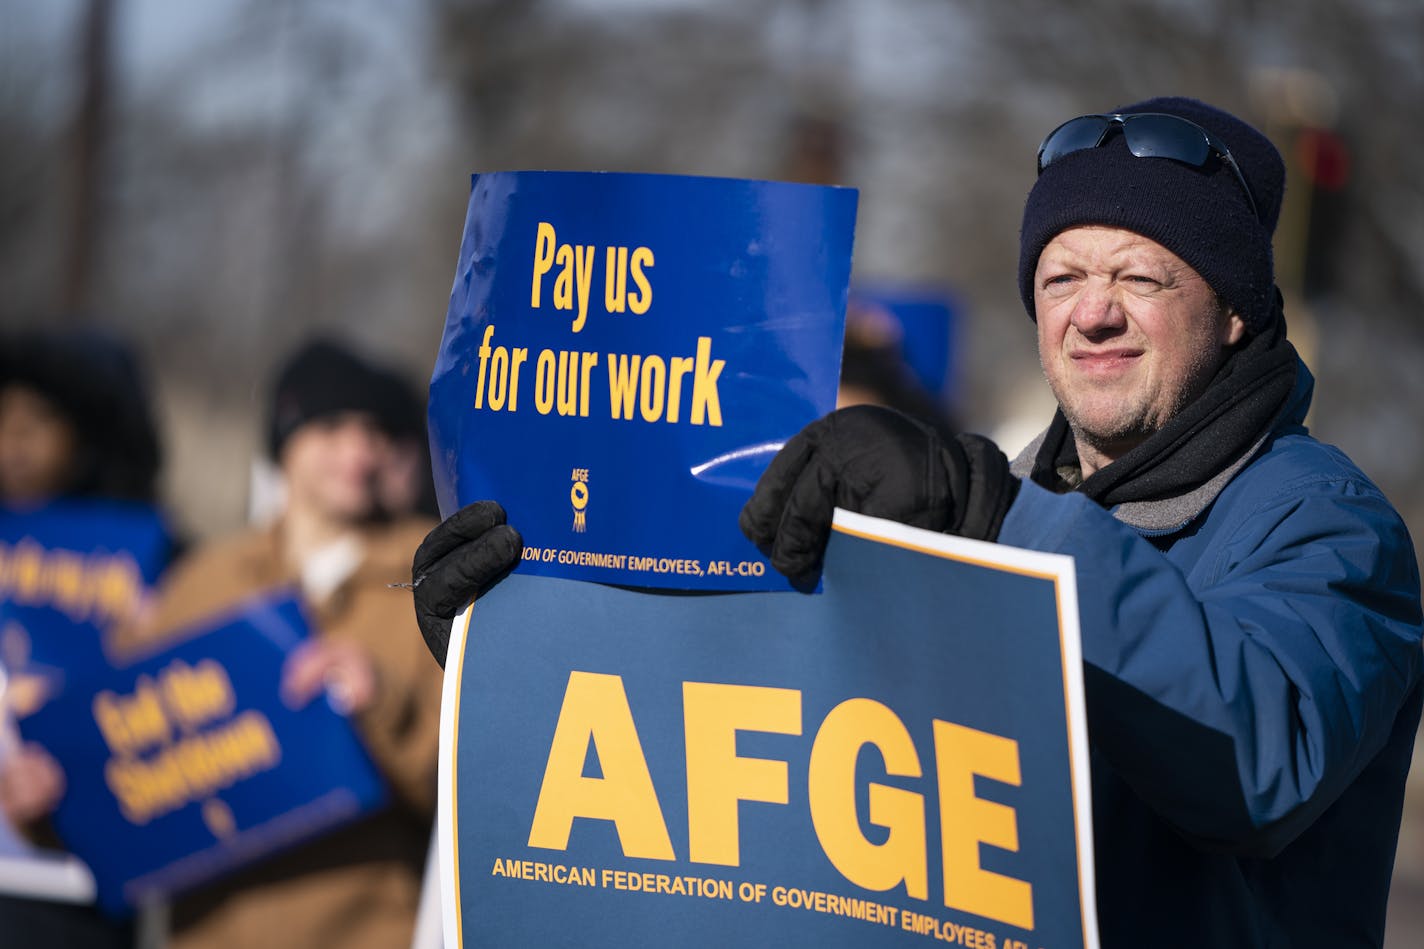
<point x="331" y="465"/>
<point x="1128" y="335"/>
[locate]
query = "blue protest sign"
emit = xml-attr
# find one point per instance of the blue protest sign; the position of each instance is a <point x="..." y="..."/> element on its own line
<point x="902" y="757"/>
<point x="188" y="764"/>
<point x="642" y="345"/>
<point x="69" y="572"/>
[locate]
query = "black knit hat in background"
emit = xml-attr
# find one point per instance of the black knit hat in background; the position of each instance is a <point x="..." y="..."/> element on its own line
<point x="321" y="379"/>
<point x="1200" y="214"/>
<point x="96" y="380"/>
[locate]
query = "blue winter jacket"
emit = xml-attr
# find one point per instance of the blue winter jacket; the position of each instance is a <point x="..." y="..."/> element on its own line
<point x="1253" y="689"/>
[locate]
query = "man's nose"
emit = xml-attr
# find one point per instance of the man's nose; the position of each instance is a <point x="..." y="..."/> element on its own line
<point x="1098" y="310"/>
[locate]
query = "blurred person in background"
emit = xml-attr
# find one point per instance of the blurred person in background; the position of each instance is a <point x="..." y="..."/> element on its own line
<point x="874" y="370"/>
<point x="403" y="480"/>
<point x="75" y="423"/>
<point x="357" y="886"/>
<point x="75" y="420"/>
<point x="404" y="484"/>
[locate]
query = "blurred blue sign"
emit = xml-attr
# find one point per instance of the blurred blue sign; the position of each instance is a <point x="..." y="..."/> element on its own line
<point x="900" y="758"/>
<point x="622" y="356"/>
<point x="69" y="572"/>
<point x="187" y="764"/>
<point x="926" y="321"/>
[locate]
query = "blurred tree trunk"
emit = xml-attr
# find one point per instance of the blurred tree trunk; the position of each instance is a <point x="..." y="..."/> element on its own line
<point x="95" y="65"/>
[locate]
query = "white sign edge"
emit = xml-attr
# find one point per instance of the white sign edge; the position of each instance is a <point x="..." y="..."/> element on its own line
<point x="445" y="798"/>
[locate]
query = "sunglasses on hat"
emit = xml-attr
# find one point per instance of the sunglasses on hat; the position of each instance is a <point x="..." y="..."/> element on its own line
<point x="1148" y="135"/>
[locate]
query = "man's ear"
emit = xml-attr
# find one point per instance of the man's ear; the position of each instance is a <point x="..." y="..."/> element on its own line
<point x="1234" y="329"/>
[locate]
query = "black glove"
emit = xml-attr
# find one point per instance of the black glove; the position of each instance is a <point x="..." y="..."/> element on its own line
<point x="465" y="555"/>
<point x="874" y="461"/>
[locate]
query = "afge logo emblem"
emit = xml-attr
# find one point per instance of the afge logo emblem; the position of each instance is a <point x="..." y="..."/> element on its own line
<point x="578" y="497"/>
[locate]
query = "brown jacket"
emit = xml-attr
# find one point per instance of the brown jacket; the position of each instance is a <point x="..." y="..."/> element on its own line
<point x="357" y="886"/>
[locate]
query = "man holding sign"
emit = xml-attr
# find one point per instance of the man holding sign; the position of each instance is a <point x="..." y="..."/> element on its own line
<point x="1249" y="599"/>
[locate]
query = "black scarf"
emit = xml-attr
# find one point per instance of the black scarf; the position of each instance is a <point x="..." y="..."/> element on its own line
<point x="1239" y="406"/>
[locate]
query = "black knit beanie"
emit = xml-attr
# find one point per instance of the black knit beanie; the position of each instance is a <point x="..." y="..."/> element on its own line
<point x="1200" y="214"/>
<point x="96" y="380"/>
<point x="322" y="379"/>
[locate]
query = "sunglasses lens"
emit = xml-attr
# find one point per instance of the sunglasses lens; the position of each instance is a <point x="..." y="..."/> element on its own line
<point x="1165" y="136"/>
<point x="1072" y="136"/>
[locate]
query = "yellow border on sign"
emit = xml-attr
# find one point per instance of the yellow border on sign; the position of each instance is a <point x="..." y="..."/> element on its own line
<point x="961" y="558"/>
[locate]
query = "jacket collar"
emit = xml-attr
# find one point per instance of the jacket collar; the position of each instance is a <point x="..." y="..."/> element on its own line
<point x="378" y="559"/>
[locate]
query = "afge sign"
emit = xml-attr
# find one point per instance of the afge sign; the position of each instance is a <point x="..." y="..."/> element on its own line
<point x="898" y="758"/>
